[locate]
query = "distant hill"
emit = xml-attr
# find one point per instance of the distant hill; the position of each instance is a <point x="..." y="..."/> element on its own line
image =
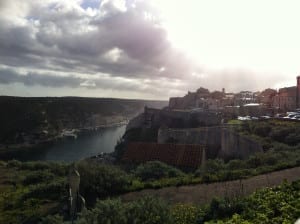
<point x="23" y="116"/>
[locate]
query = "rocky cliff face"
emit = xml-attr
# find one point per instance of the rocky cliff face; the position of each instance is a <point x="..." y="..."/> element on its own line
<point x="136" y="122"/>
<point x="24" y="117"/>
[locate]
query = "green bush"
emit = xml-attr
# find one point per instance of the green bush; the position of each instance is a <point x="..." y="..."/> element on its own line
<point x="277" y="205"/>
<point x="55" y="190"/>
<point x="269" y="205"/>
<point x="214" y="166"/>
<point x="156" y="170"/>
<point x="35" y="165"/>
<point x="292" y="138"/>
<point x="254" y="161"/>
<point x="52" y="219"/>
<point x="98" y="180"/>
<point x="185" y="214"/>
<point x="38" y="176"/>
<point x="146" y="210"/>
<point x="280" y="133"/>
<point x="14" y="163"/>
<point x="262" y="129"/>
<point x="236" y="164"/>
<point x="108" y="211"/>
<point x="220" y="208"/>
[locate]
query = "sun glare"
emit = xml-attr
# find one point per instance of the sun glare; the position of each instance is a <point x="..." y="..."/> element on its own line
<point x="234" y="33"/>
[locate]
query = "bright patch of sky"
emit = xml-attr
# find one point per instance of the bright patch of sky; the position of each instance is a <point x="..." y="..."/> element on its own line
<point x="90" y="4"/>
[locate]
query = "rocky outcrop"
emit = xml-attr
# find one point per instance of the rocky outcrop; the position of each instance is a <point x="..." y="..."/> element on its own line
<point x="136" y="122"/>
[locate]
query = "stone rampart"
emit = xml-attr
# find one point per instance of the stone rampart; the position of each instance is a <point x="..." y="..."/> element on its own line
<point x="220" y="141"/>
<point x="208" y="136"/>
<point x="235" y="145"/>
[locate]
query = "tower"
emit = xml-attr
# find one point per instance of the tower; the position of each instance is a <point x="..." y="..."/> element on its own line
<point x="298" y="93"/>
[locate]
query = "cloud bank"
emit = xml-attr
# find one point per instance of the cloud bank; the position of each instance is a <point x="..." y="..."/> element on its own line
<point x="91" y="44"/>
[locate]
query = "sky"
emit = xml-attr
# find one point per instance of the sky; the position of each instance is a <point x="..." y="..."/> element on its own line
<point x="146" y="49"/>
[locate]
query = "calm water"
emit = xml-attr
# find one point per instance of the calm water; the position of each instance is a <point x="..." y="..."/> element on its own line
<point x="86" y="145"/>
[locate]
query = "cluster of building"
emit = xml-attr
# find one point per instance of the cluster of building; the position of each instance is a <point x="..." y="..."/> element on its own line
<point x="193" y="128"/>
<point x="285" y="99"/>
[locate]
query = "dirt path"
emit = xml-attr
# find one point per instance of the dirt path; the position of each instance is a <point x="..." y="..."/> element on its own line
<point x="203" y="193"/>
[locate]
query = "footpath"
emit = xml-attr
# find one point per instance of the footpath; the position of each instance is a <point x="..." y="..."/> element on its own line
<point x="204" y="193"/>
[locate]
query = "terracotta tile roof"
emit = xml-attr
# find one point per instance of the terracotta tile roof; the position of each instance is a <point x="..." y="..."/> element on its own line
<point x="173" y="154"/>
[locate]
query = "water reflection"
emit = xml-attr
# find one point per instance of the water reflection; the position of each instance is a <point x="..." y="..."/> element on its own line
<point x="103" y="140"/>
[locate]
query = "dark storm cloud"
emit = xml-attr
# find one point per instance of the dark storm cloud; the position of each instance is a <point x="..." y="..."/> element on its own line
<point x="109" y="47"/>
<point x="71" y="40"/>
<point x="8" y="76"/>
<point x="30" y="79"/>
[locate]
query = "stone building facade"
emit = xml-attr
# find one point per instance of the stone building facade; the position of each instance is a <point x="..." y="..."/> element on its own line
<point x="286" y="99"/>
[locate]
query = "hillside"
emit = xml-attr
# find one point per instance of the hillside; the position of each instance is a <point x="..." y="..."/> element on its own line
<point x="26" y="118"/>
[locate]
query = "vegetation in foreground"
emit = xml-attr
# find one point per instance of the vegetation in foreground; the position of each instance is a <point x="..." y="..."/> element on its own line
<point x="29" y="191"/>
<point x="32" y="190"/>
<point x="271" y="205"/>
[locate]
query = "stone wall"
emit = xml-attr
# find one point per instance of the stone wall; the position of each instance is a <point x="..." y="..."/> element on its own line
<point x="181" y="118"/>
<point x="220" y="141"/>
<point x="208" y="136"/>
<point x="237" y="146"/>
<point x="199" y="136"/>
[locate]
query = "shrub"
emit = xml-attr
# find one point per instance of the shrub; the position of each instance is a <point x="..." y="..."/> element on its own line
<point x="54" y="190"/>
<point x="262" y="129"/>
<point x="52" y="219"/>
<point x="108" y="211"/>
<point x="99" y="180"/>
<point x="37" y="177"/>
<point x="3" y="164"/>
<point x="292" y="138"/>
<point x="156" y="170"/>
<point x="254" y="161"/>
<point x="236" y="164"/>
<point x="220" y="208"/>
<point x="214" y="166"/>
<point x="35" y="165"/>
<point x="280" y="133"/>
<point x="14" y="163"/>
<point x="185" y="214"/>
<point x="146" y="210"/>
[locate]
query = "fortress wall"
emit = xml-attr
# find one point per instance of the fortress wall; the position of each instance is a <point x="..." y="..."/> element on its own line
<point x="208" y="136"/>
<point x="200" y="136"/>
<point x="237" y="146"/>
<point x="220" y="141"/>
